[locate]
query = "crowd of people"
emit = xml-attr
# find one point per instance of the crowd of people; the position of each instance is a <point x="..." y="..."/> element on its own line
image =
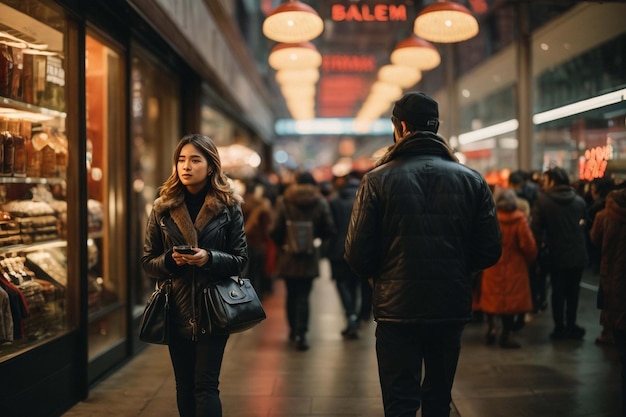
<point x="421" y="243"/>
<point x="549" y="236"/>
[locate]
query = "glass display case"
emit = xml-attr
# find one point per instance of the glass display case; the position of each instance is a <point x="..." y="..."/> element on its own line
<point x="33" y="167"/>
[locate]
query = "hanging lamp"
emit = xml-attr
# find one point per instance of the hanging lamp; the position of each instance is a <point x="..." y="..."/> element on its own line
<point x="417" y="53"/>
<point x="401" y="75"/>
<point x="445" y="22"/>
<point x="302" y="76"/>
<point x="294" y="56"/>
<point x="293" y="22"/>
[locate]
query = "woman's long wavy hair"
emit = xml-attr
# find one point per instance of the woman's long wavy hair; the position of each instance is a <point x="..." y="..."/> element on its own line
<point x="220" y="186"/>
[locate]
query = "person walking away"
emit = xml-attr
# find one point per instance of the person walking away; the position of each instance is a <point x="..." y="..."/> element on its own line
<point x="421" y="227"/>
<point x="609" y="234"/>
<point x="347" y="282"/>
<point x="558" y="223"/>
<point x="599" y="189"/>
<point x="302" y="215"/>
<point x="527" y="191"/>
<point x="196" y="206"/>
<point x="505" y="287"/>
<point x="257" y="214"/>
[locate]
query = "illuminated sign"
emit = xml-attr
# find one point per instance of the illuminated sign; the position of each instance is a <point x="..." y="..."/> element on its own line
<point x="349" y="63"/>
<point x="369" y="13"/>
<point x="593" y="164"/>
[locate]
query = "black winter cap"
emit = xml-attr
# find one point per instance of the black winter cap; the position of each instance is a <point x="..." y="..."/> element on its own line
<point x="417" y="109"/>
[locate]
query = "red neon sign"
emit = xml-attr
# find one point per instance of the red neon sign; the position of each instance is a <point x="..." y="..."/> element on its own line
<point x="368" y="13"/>
<point x="349" y="63"/>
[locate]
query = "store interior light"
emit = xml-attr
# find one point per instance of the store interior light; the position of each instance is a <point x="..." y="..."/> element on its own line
<point x="445" y="22"/>
<point x="295" y="56"/>
<point x="580" y="107"/>
<point x="488" y="132"/>
<point x="293" y="22"/>
<point x="416" y="52"/>
<point x="15" y="42"/>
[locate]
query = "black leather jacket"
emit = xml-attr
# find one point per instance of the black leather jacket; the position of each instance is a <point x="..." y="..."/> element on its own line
<point x="219" y="230"/>
<point x="422" y="226"/>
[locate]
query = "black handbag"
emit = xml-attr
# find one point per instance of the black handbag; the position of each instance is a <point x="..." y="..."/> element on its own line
<point x="155" y="321"/>
<point x="233" y="305"/>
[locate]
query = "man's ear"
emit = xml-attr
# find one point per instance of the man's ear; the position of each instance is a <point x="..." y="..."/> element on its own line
<point x="404" y="129"/>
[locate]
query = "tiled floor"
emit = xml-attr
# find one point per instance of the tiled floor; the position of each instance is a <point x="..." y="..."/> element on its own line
<point x="263" y="376"/>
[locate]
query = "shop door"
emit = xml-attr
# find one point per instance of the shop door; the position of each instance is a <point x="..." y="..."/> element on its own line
<point x="106" y="223"/>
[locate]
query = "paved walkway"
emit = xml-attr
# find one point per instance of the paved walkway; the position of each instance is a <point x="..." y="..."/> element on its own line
<point x="263" y="376"/>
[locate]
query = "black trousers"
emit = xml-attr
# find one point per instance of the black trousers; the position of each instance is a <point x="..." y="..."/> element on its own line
<point x="619" y="335"/>
<point x="349" y="288"/>
<point x="401" y="350"/>
<point x="298" y="309"/>
<point x="197" y="370"/>
<point x="565" y="291"/>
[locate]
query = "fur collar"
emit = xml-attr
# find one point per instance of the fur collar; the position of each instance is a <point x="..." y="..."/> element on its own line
<point x="179" y="213"/>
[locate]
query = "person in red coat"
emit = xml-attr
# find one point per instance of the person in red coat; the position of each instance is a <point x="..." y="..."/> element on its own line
<point x="505" y="287"/>
<point x="609" y="234"/>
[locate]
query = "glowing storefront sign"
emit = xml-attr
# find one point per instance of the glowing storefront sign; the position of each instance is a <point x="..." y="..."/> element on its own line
<point x="349" y="63"/>
<point x="368" y="13"/>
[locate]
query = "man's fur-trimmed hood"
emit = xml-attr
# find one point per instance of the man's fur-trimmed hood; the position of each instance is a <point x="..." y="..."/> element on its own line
<point x="179" y="213"/>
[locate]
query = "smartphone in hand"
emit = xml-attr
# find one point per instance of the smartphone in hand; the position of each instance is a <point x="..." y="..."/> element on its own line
<point x="184" y="249"/>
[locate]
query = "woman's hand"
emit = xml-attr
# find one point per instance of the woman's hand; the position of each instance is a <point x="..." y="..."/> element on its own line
<point x="200" y="258"/>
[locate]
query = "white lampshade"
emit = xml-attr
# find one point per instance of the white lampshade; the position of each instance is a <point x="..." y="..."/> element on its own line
<point x="295" y="56"/>
<point x="387" y="91"/>
<point x="302" y="76"/>
<point x="417" y="53"/>
<point x="293" y="22"/>
<point x="298" y="91"/>
<point x="445" y="22"/>
<point x="401" y="75"/>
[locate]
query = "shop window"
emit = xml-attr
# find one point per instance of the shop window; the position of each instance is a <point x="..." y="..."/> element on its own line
<point x="155" y="129"/>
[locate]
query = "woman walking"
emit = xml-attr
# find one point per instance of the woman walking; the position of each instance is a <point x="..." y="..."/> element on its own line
<point x="197" y="207"/>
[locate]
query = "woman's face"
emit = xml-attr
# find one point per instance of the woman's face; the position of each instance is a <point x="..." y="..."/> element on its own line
<point x="192" y="168"/>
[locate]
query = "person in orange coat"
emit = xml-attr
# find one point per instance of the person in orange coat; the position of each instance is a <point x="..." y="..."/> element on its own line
<point x="505" y="287"/>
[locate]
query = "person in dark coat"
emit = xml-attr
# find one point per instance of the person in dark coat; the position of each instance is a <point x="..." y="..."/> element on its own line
<point x="304" y="204"/>
<point x="198" y="207"/>
<point x="609" y="234"/>
<point x="422" y="227"/>
<point x="558" y="223"/>
<point x="347" y="282"/>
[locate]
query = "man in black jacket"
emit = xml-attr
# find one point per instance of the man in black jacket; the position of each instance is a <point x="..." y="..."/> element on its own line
<point x="422" y="226"/>
<point x="558" y="222"/>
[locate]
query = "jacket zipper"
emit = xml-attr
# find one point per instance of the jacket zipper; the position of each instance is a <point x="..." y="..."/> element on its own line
<point x="192" y="320"/>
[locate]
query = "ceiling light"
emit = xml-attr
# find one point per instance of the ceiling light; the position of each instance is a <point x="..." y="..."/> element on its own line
<point x="580" y="107"/>
<point x="417" y="53"/>
<point x="488" y="132"/>
<point x="298" y="91"/>
<point x="445" y="22"/>
<point x="293" y="22"/>
<point x="390" y="92"/>
<point x="295" y="56"/>
<point x="401" y="75"/>
<point x="303" y="76"/>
